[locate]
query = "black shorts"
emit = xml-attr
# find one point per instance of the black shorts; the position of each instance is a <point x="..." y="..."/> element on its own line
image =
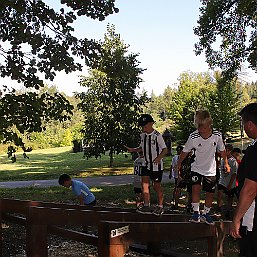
<point x="155" y="176"/>
<point x="137" y="190"/>
<point x="227" y="192"/>
<point x="208" y="182"/>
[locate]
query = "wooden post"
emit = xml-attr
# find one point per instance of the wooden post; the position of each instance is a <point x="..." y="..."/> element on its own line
<point x="215" y="243"/>
<point x="1" y="230"/>
<point x="110" y="245"/>
<point x="36" y="235"/>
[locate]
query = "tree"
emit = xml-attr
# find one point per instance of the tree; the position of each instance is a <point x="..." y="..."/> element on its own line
<point x="35" y="40"/>
<point x="192" y="94"/>
<point x="231" y="26"/>
<point x="224" y="106"/>
<point x="110" y="105"/>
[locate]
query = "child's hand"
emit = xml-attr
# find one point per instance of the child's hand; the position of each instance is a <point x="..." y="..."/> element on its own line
<point x="130" y="149"/>
<point x="227" y="168"/>
<point x="157" y="160"/>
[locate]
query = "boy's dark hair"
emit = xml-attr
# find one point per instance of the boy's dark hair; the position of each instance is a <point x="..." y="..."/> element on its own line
<point x="63" y="178"/>
<point x="249" y="113"/>
<point x="229" y="147"/>
<point x="179" y="148"/>
<point x="237" y="150"/>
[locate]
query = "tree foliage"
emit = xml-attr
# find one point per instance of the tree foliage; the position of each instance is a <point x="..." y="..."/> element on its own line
<point x="224" y="105"/>
<point x="111" y="106"/>
<point x="36" y="41"/>
<point x="227" y="34"/>
<point x="192" y="94"/>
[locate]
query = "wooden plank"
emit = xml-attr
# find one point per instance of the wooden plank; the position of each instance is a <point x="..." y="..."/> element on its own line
<point x="74" y="235"/>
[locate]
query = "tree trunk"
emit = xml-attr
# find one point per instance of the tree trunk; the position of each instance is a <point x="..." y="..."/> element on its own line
<point x="111" y="158"/>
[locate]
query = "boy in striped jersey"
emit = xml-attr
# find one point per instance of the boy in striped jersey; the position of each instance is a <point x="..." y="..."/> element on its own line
<point x="154" y="149"/>
<point x="205" y="143"/>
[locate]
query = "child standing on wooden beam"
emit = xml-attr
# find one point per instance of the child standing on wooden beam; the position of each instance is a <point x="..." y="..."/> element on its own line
<point x="205" y="142"/>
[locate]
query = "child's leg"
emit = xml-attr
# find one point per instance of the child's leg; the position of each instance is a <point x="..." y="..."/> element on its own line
<point x="219" y="198"/>
<point x="158" y="189"/>
<point x="196" y="197"/>
<point x="177" y="195"/>
<point x="229" y="202"/>
<point x="146" y="192"/>
<point x="209" y="199"/>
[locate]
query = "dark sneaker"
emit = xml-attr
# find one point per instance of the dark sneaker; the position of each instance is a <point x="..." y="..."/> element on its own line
<point x="207" y="219"/>
<point x="195" y="217"/>
<point x="189" y="209"/>
<point x="158" y="211"/>
<point x="140" y="206"/>
<point x="145" y="210"/>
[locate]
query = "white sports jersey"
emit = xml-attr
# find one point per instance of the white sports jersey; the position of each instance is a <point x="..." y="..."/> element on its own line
<point x="226" y="177"/>
<point x="138" y="164"/>
<point x="152" y="144"/>
<point x="205" y="149"/>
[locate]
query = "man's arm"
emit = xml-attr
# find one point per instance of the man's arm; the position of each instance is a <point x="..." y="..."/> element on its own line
<point x="247" y="195"/>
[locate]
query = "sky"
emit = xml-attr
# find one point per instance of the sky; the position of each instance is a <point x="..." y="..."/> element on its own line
<point x="161" y="32"/>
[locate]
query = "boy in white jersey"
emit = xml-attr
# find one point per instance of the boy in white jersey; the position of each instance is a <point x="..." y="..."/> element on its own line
<point x="139" y="163"/>
<point x="154" y="149"/>
<point x="205" y="143"/>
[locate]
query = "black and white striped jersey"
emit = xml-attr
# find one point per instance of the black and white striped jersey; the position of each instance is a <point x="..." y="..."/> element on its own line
<point x="152" y="144"/>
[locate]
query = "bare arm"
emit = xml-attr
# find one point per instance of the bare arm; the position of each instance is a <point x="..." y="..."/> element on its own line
<point x="182" y="157"/>
<point x="247" y="195"/>
<point x="81" y="200"/>
<point x="233" y="177"/>
<point x="224" y="157"/>
<point x="131" y="149"/>
<point x="162" y="154"/>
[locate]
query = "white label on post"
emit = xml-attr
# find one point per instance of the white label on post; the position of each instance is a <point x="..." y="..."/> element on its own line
<point x="119" y="231"/>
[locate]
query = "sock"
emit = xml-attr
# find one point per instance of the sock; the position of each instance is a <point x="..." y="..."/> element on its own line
<point x="195" y="207"/>
<point x="206" y="210"/>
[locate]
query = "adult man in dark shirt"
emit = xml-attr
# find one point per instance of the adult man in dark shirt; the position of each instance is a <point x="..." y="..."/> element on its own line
<point x="247" y="207"/>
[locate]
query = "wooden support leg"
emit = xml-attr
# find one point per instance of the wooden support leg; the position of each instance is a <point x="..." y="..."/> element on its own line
<point x="36" y="240"/>
<point x="1" y="232"/>
<point x="110" y="246"/>
<point x="215" y="243"/>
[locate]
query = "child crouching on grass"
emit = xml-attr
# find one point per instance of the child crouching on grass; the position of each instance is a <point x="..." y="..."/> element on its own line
<point x="80" y="189"/>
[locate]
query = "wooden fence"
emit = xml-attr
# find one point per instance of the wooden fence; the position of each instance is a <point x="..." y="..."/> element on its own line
<point x="117" y="228"/>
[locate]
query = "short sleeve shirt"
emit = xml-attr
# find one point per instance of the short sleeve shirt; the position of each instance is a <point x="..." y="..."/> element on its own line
<point x="79" y="188"/>
<point x="152" y="144"/>
<point x="248" y="169"/>
<point x="204" y="162"/>
<point x="226" y="177"/>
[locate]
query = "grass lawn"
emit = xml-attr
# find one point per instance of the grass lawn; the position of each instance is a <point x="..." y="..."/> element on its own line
<point x="50" y="163"/>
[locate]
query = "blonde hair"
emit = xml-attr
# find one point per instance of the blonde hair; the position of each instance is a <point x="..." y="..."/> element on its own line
<point x="202" y="117"/>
